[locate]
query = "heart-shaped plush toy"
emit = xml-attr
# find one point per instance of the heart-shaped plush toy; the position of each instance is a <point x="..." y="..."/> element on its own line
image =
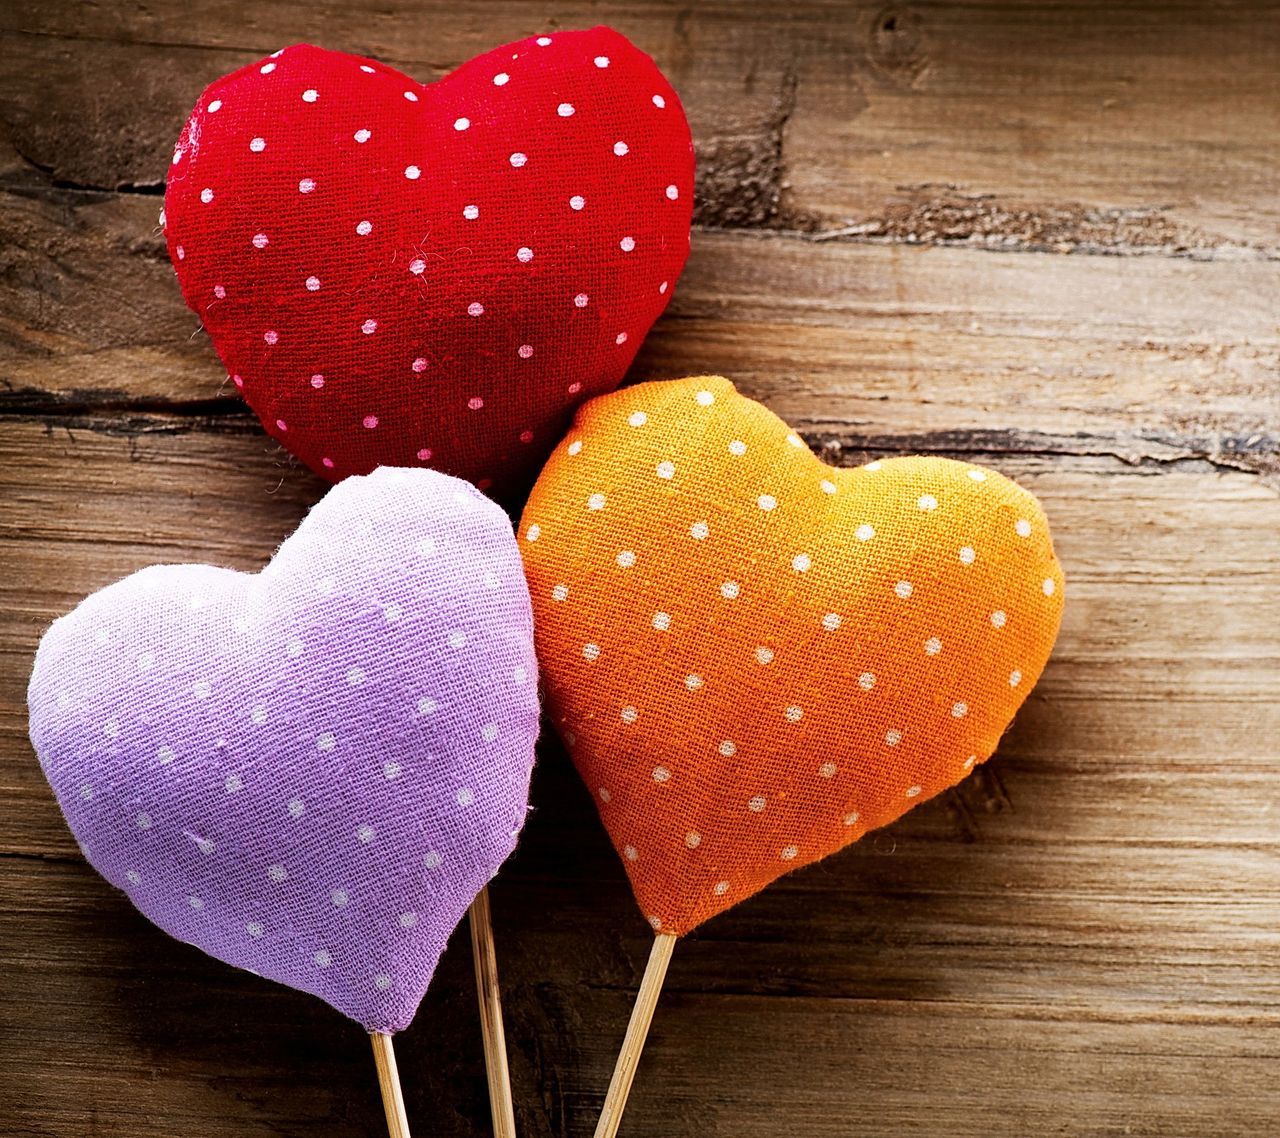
<point x="311" y="771"/>
<point x="755" y="658"/>
<point x="405" y="275"/>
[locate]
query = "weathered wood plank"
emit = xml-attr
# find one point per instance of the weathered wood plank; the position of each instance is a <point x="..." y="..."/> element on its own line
<point x="1082" y="937"/>
<point x="1107" y="128"/>
<point x="1141" y="358"/>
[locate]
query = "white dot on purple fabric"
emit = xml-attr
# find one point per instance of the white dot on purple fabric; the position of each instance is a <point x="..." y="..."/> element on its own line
<point x="364" y="833"/>
<point x="464" y="797"/>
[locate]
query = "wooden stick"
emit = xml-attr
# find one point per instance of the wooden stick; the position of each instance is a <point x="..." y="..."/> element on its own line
<point x="495" y="1040"/>
<point x="637" y="1030"/>
<point x="389" y="1083"/>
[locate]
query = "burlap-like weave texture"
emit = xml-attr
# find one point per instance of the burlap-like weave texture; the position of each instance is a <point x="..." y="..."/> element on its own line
<point x="436" y="275"/>
<point x="310" y="771"/>
<point x="755" y="658"/>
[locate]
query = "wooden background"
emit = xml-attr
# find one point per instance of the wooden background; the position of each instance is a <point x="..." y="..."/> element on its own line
<point x="1045" y="236"/>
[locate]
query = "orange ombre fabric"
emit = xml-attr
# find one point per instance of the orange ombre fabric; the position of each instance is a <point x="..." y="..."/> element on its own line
<point x="755" y="658"/>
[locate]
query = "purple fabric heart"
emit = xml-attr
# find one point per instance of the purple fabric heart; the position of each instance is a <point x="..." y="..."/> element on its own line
<point x="308" y="772"/>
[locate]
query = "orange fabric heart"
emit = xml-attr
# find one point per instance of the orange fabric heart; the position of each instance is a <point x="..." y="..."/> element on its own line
<point x="755" y="658"/>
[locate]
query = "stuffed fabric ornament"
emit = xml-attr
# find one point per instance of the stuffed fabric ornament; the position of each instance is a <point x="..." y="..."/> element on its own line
<point x="308" y="772"/>
<point x="414" y="275"/>
<point x="755" y="658"/>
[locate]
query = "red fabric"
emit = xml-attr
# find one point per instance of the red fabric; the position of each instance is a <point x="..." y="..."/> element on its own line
<point x="437" y="275"/>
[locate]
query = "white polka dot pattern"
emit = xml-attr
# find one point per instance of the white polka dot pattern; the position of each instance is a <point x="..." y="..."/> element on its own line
<point x="462" y="262"/>
<point x="296" y="782"/>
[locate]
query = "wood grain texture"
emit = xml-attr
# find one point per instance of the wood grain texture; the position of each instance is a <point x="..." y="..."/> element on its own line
<point x="1039" y="236"/>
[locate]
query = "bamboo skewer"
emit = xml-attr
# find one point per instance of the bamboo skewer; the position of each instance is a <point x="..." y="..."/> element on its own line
<point x="384" y="1057"/>
<point x="495" y="1040"/>
<point x="624" y="1070"/>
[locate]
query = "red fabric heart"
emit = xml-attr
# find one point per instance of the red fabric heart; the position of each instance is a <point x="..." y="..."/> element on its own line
<point x="405" y="275"/>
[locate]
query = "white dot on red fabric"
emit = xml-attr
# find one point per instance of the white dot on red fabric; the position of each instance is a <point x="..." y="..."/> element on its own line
<point x="526" y="436"/>
<point x="524" y="254"/>
<point x="362" y="135"/>
<point x="461" y="123"/>
<point x="313" y="284"/>
<point x="574" y="388"/>
<point x="577" y="201"/>
<point x="672" y="192"/>
<point x="370" y="421"/>
<point x="220" y="292"/>
<point x="475" y="308"/>
<point x="369" y="327"/>
<point x="602" y="61"/>
<point x="419" y="365"/>
<point x="620" y="339"/>
<point x="659" y="102"/>
<point x="206" y="195"/>
<point x="310" y="95"/>
<point x="364" y="228"/>
<point x="501" y="79"/>
<point x="471" y="212"/>
<point x="543" y="41"/>
<point x="411" y="96"/>
<point x="627" y="244"/>
<point x="215" y="106"/>
<point x="260" y="241"/>
<point x="413" y="173"/>
<point x="524" y="351"/>
<point x="565" y="110"/>
<point x="257" y="145"/>
<point x="267" y="68"/>
<point x="475" y="403"/>
<point x="620" y="148"/>
<point x="271" y="337"/>
<point x="517" y="159"/>
<point x="317" y="381"/>
<point x="580" y="301"/>
<point x="424" y="455"/>
<point x="417" y="266"/>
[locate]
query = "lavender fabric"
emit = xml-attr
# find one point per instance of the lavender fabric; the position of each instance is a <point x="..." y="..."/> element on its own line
<point x="308" y="772"/>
